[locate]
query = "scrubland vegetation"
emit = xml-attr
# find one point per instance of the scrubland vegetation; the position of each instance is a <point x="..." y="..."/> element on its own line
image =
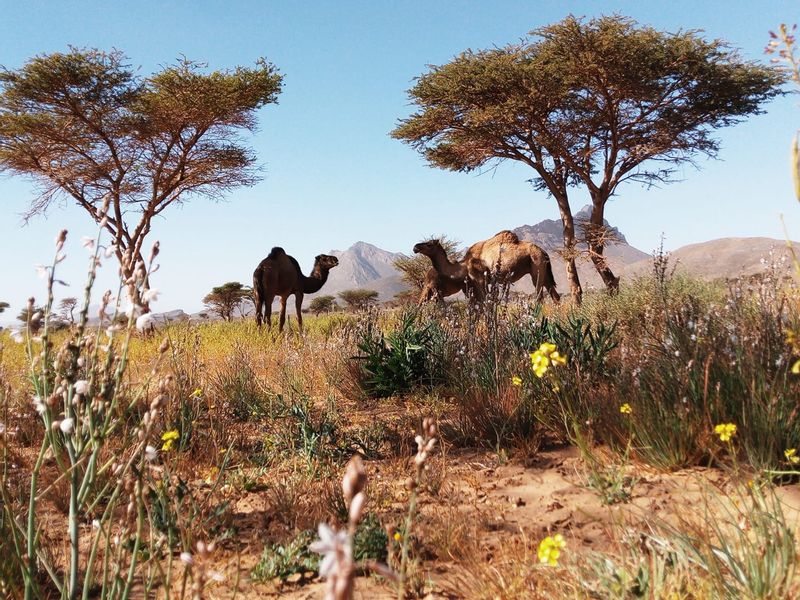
<point x="641" y="445"/>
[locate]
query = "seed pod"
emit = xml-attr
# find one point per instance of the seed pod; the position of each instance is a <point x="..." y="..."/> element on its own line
<point x="355" y="478"/>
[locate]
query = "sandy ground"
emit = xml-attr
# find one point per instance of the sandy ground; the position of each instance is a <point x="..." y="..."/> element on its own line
<point x="505" y="501"/>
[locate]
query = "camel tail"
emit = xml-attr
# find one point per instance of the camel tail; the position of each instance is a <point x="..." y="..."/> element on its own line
<point x="549" y="279"/>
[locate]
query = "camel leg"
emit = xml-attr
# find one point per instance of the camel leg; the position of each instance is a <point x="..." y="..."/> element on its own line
<point x="268" y="310"/>
<point x="283" y="313"/>
<point x="258" y="303"/>
<point x="298" y="307"/>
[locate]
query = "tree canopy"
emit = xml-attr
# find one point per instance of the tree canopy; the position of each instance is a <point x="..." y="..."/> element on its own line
<point x="86" y="127"/>
<point x="322" y="304"/>
<point x="226" y="298"/>
<point x="359" y="299"/>
<point x="592" y="103"/>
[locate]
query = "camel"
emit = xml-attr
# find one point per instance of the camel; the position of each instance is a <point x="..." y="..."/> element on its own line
<point x="279" y="275"/>
<point x="445" y="278"/>
<point x="438" y="287"/>
<point x="504" y="259"/>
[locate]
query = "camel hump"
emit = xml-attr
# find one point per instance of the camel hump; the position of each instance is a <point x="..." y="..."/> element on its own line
<point x="506" y="237"/>
<point x="276" y="252"/>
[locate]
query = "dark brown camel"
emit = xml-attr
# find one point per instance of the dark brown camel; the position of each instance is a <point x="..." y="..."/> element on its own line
<point x="445" y="278"/>
<point x="438" y="288"/>
<point x="279" y="275"/>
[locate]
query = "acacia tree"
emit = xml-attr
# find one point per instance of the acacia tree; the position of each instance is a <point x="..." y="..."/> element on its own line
<point x="590" y="103"/>
<point x="359" y="299"/>
<point x="322" y="304"/>
<point x="67" y="307"/>
<point x="85" y="127"/>
<point x="224" y="299"/>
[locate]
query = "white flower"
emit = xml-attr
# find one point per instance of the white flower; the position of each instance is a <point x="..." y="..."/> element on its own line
<point x="39" y="405"/>
<point x="335" y="546"/>
<point x="60" y="257"/>
<point x="87" y="242"/>
<point x="145" y="322"/>
<point x="41" y="271"/>
<point x="187" y="558"/>
<point x="110" y="251"/>
<point x="150" y="295"/>
<point x="2" y="428"/>
<point x="67" y="425"/>
<point x="150" y="453"/>
<point x="81" y="386"/>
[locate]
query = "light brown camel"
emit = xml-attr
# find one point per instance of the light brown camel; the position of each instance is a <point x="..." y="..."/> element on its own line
<point x="445" y="278"/>
<point x="279" y="275"/>
<point x="504" y="259"/>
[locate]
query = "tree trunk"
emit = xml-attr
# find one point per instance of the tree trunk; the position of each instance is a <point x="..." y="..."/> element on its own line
<point x="570" y="250"/>
<point x="596" y="240"/>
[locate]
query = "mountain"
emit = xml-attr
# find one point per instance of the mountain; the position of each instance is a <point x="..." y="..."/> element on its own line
<point x="364" y="265"/>
<point x="549" y="234"/>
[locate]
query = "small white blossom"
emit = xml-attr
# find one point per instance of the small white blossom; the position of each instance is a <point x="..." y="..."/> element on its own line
<point x="151" y="295"/>
<point x="334" y="546"/>
<point x="41" y="271"/>
<point x="39" y="405"/>
<point x="109" y="252"/>
<point x="67" y="425"/>
<point x="87" y="242"/>
<point x="187" y="558"/>
<point x="81" y="386"/>
<point x="145" y="322"/>
<point x="150" y="453"/>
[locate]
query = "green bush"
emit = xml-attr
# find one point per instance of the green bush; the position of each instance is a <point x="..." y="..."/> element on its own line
<point x="398" y="361"/>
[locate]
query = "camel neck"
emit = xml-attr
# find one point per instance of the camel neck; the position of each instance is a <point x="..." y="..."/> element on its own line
<point x="315" y="280"/>
<point x="444" y="267"/>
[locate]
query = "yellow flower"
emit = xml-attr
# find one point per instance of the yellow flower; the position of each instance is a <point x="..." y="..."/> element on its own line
<point x="516" y="380"/>
<point x="550" y="549"/>
<point x="791" y="456"/>
<point x="197" y="392"/>
<point x="796" y="368"/>
<point x="625" y="409"/>
<point x="725" y="431"/>
<point x="544" y="357"/>
<point x="169" y="438"/>
<point x="397" y="537"/>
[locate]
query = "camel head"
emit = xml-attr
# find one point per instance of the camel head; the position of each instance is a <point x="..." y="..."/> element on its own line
<point x="429" y="248"/>
<point x="326" y="261"/>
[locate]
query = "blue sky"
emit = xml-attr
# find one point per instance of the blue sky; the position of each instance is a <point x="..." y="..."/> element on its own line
<point x="333" y="176"/>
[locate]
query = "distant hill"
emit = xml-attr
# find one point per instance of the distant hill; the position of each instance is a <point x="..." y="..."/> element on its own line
<point x="726" y="258"/>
